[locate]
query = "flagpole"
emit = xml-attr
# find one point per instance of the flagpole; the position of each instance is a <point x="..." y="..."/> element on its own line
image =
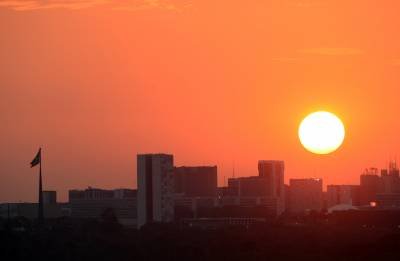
<point x="40" y="208"/>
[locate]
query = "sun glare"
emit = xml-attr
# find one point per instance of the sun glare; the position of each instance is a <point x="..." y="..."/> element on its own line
<point x="321" y="132"/>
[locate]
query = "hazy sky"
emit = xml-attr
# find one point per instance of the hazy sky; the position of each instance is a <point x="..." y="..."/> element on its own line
<point x="213" y="82"/>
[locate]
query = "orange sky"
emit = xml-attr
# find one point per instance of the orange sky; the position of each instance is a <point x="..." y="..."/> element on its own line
<point x="213" y="82"/>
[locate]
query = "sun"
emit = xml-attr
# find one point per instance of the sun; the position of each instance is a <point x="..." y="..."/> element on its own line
<point x="321" y="132"/>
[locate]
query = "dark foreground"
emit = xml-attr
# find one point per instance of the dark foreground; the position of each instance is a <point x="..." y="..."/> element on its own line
<point x="66" y="239"/>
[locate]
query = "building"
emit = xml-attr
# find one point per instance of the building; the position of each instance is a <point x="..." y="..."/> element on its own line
<point x="305" y="195"/>
<point x="30" y="210"/>
<point x="51" y="208"/>
<point x="370" y="185"/>
<point x="269" y="182"/>
<point x="186" y="207"/>
<point x="343" y="194"/>
<point x="155" y="188"/>
<point x="254" y="186"/>
<point x="226" y="192"/>
<point x="273" y="171"/>
<point x="268" y="186"/>
<point x="388" y="200"/>
<point x="247" y="207"/>
<point x="49" y="197"/>
<point x="287" y="197"/>
<point x="380" y="191"/>
<point x="390" y="180"/>
<point x="93" y="202"/>
<point x="233" y="187"/>
<point x="196" y="181"/>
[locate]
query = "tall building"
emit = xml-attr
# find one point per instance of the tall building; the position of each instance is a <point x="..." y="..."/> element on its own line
<point x="268" y="186"/>
<point x="305" y="195"/>
<point x="196" y="181"/>
<point x="388" y="196"/>
<point x="273" y="171"/>
<point x="370" y="185"/>
<point x="155" y="188"/>
<point x="390" y="180"/>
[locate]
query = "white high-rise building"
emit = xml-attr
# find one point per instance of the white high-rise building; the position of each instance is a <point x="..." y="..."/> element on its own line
<point x="155" y="188"/>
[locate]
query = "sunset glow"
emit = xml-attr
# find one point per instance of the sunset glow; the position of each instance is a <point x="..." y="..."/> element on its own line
<point x="224" y="83"/>
<point x="198" y="129"/>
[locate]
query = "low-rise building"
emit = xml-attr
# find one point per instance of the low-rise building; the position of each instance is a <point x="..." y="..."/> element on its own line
<point x="51" y="208"/>
<point x="92" y="203"/>
<point x="343" y="194"/>
<point x="388" y="201"/>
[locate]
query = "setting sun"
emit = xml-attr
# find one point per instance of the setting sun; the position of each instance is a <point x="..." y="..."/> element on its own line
<point x="321" y="132"/>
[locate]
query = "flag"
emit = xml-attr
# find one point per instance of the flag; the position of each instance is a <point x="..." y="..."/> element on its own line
<point x="37" y="159"/>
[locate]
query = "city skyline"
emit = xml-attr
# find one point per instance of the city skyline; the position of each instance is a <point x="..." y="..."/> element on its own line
<point x="170" y="194"/>
<point x="221" y="181"/>
<point x="179" y="170"/>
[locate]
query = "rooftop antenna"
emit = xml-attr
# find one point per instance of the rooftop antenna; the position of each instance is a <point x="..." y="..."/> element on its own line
<point x="233" y="170"/>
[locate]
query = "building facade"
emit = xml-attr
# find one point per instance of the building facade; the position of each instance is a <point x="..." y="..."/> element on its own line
<point x="343" y="194"/>
<point x="51" y="208"/>
<point x="196" y="181"/>
<point x="305" y="195"/>
<point x="49" y="197"/>
<point x="370" y="185"/>
<point x="30" y="210"/>
<point x="93" y="202"/>
<point x="155" y="188"/>
<point x="273" y="171"/>
<point x="390" y="179"/>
